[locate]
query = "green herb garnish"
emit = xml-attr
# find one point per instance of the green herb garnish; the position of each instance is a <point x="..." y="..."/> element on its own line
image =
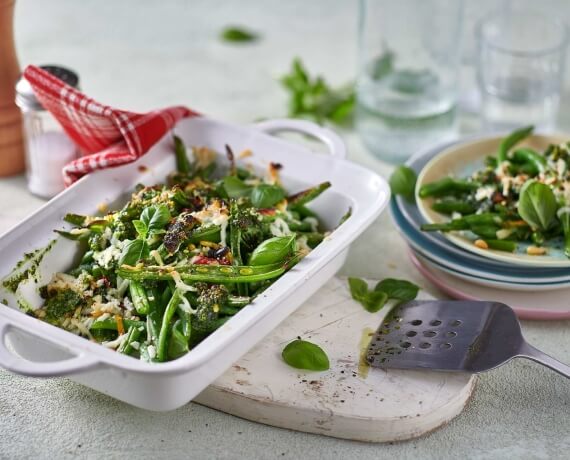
<point x="313" y="98"/>
<point x="387" y="289"/>
<point x="301" y="354"/>
<point x="403" y="182"/>
<point x="238" y="34"/>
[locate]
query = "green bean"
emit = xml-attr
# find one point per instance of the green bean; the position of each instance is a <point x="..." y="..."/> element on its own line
<point x="511" y="140"/>
<point x="161" y="351"/>
<point x="182" y="163"/>
<point x="139" y="298"/>
<point x="451" y="206"/>
<point x="302" y="198"/>
<point x="154" y="316"/>
<point x="532" y="158"/>
<point x="132" y="336"/>
<point x="465" y="223"/>
<point x="207" y="273"/>
<point x="485" y="231"/>
<point x="501" y="245"/>
<point x="447" y="186"/>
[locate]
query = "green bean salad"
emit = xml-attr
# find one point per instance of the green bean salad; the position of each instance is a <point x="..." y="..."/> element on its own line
<point x="181" y="258"/>
<point x="520" y="195"/>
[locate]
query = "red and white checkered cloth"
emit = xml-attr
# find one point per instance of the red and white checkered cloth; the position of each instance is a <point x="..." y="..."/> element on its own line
<point x="105" y="136"/>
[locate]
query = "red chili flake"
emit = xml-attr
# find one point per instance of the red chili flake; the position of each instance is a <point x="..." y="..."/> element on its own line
<point x="142" y="168"/>
<point x="203" y="260"/>
<point x="267" y="212"/>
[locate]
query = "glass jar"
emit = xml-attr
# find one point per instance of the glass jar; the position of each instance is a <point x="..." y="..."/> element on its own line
<point x="48" y="148"/>
<point x="409" y="53"/>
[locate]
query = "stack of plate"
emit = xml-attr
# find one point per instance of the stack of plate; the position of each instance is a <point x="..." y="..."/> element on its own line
<point x="536" y="286"/>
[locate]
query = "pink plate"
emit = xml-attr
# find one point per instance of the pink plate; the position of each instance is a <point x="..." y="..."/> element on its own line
<point x="523" y="303"/>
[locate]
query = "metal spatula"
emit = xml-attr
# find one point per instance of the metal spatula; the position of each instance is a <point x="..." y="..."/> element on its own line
<point x="465" y="336"/>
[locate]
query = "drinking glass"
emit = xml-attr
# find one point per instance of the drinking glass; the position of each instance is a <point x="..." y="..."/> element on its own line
<point x="520" y="68"/>
<point x="409" y="54"/>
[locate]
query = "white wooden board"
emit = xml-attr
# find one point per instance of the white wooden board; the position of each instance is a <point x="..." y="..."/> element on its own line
<point x="351" y="400"/>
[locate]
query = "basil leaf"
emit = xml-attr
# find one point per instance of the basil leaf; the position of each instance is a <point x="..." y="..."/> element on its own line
<point x="235" y="187"/>
<point x="266" y="196"/>
<point x="273" y="250"/>
<point x="372" y="301"/>
<point x="403" y="182"/>
<point x="141" y="228"/>
<point x="398" y="289"/>
<point x="134" y="251"/>
<point x="238" y="34"/>
<point x="301" y="354"/>
<point x="537" y="205"/>
<point x="155" y="217"/>
<point x="358" y="288"/>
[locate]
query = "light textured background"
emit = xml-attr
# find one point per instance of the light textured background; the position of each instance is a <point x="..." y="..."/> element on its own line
<point x="142" y="54"/>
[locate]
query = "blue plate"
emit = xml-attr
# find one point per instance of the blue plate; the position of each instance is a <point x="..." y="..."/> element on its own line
<point x="533" y="287"/>
<point x="458" y="263"/>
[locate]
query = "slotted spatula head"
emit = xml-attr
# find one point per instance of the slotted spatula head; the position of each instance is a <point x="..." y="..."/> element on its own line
<point x="441" y="335"/>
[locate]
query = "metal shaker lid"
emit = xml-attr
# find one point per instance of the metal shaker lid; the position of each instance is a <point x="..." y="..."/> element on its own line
<point x="25" y="97"/>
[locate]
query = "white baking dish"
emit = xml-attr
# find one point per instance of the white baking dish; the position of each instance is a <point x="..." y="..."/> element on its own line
<point x="46" y="351"/>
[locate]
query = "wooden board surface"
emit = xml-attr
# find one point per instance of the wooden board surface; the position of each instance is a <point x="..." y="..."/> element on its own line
<point x="351" y="400"/>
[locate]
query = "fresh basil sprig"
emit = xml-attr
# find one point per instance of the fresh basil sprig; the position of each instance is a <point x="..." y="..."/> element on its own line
<point x="235" y="187"/>
<point x="133" y="251"/>
<point x="301" y="354"/>
<point x="314" y="99"/>
<point x="403" y="182"/>
<point x="262" y="196"/>
<point x="152" y="220"/>
<point x="401" y="290"/>
<point x="387" y="289"/>
<point x="537" y="205"/>
<point x="372" y="301"/>
<point x="273" y="250"/>
<point x="266" y="196"/>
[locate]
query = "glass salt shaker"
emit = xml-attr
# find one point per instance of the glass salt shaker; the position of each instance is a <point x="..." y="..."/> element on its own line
<point x="48" y="148"/>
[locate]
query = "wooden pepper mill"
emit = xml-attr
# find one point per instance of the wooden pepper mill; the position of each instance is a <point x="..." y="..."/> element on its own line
<point x="11" y="138"/>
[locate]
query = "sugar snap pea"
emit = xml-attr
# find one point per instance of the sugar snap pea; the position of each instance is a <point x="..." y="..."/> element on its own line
<point x="207" y="273"/>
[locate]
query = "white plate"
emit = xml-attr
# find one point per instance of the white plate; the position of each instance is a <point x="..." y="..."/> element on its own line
<point x="45" y="350"/>
<point x="462" y="159"/>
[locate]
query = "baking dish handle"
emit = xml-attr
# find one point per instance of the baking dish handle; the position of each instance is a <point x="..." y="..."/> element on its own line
<point x="328" y="137"/>
<point x="13" y="363"/>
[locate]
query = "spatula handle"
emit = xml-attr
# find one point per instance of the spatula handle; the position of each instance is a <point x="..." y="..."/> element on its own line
<point x="529" y="352"/>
